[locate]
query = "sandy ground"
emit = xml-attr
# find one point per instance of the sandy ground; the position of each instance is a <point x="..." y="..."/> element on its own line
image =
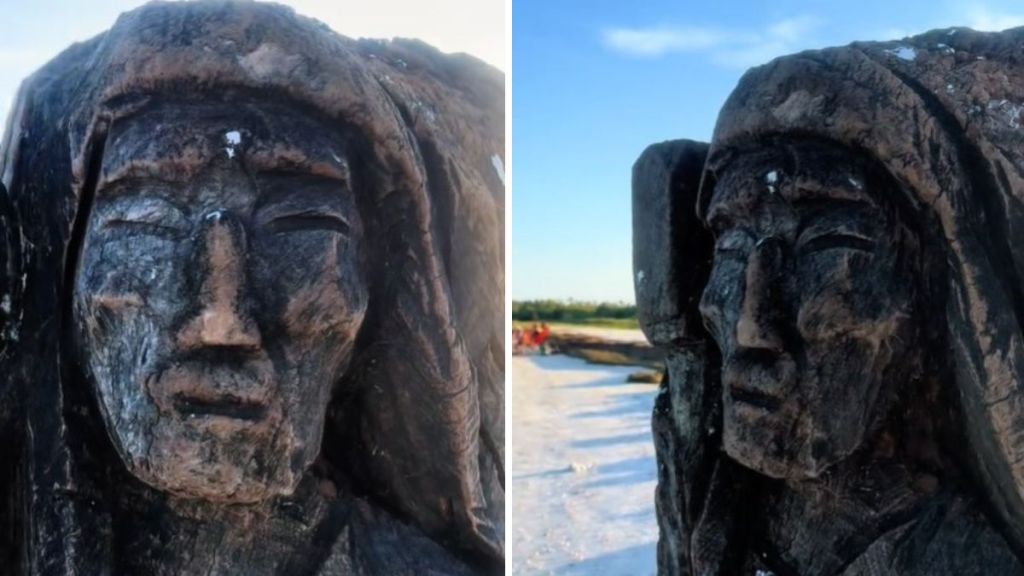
<point x="611" y="334"/>
<point x="582" y="470"/>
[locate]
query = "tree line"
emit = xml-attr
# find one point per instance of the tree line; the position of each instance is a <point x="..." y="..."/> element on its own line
<point x="570" y="311"/>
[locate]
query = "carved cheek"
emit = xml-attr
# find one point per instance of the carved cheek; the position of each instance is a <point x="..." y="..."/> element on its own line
<point x="333" y="303"/>
<point x="102" y="299"/>
<point x="118" y="289"/>
<point x="837" y="295"/>
<point x="121" y="314"/>
<point x="126" y="275"/>
<point x="825" y="316"/>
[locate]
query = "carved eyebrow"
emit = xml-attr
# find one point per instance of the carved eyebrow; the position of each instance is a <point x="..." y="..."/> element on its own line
<point x="727" y="205"/>
<point x="723" y="212"/>
<point x="151" y="215"/>
<point x="818" y="211"/>
<point x="719" y="217"/>
<point x="169" y="170"/>
<point x="289" y="159"/>
<point x="804" y="190"/>
<point x="278" y="193"/>
<point x="190" y="160"/>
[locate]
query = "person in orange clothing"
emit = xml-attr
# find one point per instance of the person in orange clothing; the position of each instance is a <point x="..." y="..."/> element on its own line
<point x="541" y="334"/>
<point x="526" y="339"/>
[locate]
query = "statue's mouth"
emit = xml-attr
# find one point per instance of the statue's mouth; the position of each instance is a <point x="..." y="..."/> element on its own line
<point x="215" y="390"/>
<point x="758" y="379"/>
<point x="225" y="406"/>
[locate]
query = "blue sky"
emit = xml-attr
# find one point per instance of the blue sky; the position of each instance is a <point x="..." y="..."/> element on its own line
<point x="594" y="82"/>
<point x="38" y="30"/>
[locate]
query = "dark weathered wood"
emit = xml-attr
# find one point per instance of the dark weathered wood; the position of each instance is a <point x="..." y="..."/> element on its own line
<point x="855" y="401"/>
<point x="251" y="294"/>
<point x="666" y="179"/>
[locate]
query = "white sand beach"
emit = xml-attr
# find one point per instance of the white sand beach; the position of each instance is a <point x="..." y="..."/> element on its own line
<point x="609" y="334"/>
<point x="581" y="468"/>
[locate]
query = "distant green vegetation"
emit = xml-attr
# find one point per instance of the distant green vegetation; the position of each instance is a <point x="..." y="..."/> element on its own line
<point x="603" y="315"/>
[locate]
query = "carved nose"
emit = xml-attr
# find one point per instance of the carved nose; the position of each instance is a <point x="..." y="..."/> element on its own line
<point x="759" y="316"/>
<point x="222" y="318"/>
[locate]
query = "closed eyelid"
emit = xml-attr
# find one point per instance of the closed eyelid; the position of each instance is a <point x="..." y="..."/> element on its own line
<point x="152" y="211"/>
<point x="279" y="187"/>
<point x="142" y="226"/>
<point x="287" y="204"/>
<point x="837" y="224"/>
<point x="309" y="220"/>
<point x="837" y="239"/>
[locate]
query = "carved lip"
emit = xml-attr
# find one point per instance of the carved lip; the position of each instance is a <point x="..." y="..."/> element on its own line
<point x="240" y="391"/>
<point x="759" y="379"/>
<point x="225" y="406"/>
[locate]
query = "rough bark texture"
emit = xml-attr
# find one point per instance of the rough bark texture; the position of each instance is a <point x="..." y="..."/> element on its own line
<point x="835" y="282"/>
<point x="251" y="280"/>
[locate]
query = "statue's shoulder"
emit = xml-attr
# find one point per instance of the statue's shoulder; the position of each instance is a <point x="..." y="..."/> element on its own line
<point x="951" y="536"/>
<point x="372" y="541"/>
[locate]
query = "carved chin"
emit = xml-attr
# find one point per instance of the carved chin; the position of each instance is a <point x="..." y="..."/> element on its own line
<point x="221" y="461"/>
<point x="778" y="444"/>
<point x="799" y="465"/>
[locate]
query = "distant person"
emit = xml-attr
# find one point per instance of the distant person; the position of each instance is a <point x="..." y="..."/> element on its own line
<point x="526" y="340"/>
<point x="543" y="333"/>
<point x="542" y="339"/>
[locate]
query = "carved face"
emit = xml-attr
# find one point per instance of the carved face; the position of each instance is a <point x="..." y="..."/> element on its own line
<point x="218" y="294"/>
<point x="810" y="301"/>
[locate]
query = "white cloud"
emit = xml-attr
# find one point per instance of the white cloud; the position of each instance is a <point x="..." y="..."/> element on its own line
<point x="980" y="18"/>
<point x="727" y="47"/>
<point x="658" y="41"/>
<point x="792" y="29"/>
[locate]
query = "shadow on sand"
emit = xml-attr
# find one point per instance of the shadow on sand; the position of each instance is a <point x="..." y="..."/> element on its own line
<point x="644" y="436"/>
<point x="628" y="471"/>
<point x="619" y="562"/>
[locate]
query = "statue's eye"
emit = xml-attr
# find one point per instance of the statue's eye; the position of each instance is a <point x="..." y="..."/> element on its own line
<point x="143" y="227"/>
<point x="149" y="218"/>
<point x="309" y="221"/>
<point x="732" y="244"/>
<point x="836" y="240"/>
